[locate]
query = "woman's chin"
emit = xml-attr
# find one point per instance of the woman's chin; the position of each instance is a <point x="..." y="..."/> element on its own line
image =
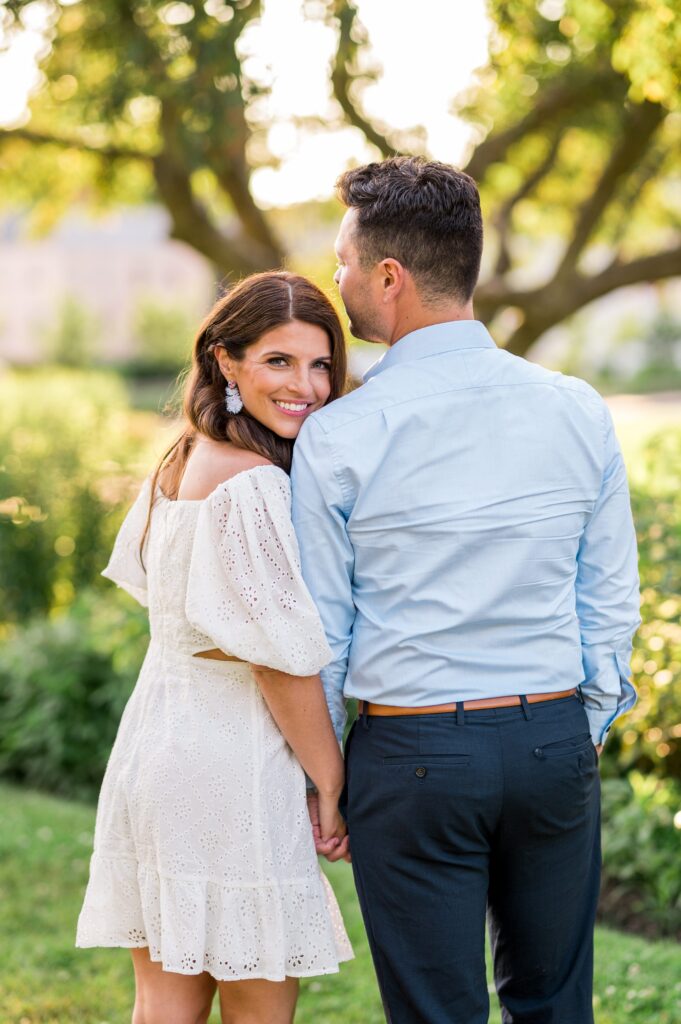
<point x="288" y="431"/>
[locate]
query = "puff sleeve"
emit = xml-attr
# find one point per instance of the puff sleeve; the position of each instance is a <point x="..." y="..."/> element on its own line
<point x="125" y="566"/>
<point x="245" y="589"/>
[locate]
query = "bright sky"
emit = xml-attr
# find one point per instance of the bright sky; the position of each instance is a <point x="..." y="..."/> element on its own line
<point x="425" y="60"/>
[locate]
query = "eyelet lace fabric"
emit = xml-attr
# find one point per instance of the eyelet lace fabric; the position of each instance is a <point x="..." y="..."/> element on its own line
<point x="203" y="850"/>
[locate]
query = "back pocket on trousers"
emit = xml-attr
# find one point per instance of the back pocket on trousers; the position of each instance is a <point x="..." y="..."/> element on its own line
<point x="444" y="760"/>
<point x="568" y="746"/>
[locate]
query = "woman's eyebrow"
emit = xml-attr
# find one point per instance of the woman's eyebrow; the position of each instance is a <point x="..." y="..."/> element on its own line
<point x="289" y="355"/>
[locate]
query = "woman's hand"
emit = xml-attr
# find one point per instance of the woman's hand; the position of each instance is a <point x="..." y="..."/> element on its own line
<point x="328" y="828"/>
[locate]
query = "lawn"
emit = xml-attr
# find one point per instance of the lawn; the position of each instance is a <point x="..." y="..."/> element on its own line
<point x="44" y="850"/>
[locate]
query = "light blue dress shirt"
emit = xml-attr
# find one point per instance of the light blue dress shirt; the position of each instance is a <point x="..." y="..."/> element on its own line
<point x="465" y="531"/>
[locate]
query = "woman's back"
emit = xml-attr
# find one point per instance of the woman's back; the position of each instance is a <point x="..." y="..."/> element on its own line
<point x="201" y="829"/>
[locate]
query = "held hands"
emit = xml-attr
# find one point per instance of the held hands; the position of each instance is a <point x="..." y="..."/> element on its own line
<point x="328" y="828"/>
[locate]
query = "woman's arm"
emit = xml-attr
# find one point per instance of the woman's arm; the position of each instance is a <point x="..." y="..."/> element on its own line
<point x="298" y="706"/>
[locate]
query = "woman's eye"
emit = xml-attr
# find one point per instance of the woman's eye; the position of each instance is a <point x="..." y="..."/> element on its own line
<point x="321" y="364"/>
<point x="276" y="361"/>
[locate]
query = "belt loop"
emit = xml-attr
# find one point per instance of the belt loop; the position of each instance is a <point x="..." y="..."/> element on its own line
<point x="580" y="695"/>
<point x="526" y="707"/>
<point x="365" y="714"/>
<point x="460" y="716"/>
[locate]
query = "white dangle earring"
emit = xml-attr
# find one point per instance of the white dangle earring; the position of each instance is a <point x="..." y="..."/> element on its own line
<point x="233" y="403"/>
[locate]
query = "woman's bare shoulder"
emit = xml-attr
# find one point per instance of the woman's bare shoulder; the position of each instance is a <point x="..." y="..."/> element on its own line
<point x="211" y="464"/>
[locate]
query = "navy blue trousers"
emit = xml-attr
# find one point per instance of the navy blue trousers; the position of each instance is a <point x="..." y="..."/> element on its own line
<point x="453" y="819"/>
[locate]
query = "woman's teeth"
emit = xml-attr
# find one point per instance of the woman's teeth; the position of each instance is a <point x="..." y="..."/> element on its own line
<point x="292" y="406"/>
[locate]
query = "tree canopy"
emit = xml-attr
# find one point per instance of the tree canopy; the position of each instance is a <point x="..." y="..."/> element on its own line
<point x="576" y="119"/>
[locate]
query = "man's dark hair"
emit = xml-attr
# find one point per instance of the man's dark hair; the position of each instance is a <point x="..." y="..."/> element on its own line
<point x="423" y="213"/>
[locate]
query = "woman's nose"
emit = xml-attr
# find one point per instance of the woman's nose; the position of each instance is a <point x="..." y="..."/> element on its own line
<point x="300" y="381"/>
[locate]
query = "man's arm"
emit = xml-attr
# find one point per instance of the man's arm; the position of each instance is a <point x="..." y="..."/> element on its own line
<point x="608" y="595"/>
<point x="320" y="509"/>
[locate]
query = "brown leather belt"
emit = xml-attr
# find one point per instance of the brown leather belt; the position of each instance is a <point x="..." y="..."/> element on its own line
<point x="468" y="705"/>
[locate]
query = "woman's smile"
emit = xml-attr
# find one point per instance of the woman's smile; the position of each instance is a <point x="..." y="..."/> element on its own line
<point x="292" y="408"/>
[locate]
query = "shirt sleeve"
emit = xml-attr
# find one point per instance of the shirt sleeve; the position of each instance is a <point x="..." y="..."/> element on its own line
<point x="320" y="519"/>
<point x="607" y="590"/>
<point x="245" y="589"/>
<point x="126" y="568"/>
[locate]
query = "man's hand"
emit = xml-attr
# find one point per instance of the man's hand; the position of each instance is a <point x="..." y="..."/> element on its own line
<point x="336" y="847"/>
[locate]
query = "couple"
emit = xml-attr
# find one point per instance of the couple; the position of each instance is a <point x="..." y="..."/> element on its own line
<point x="463" y="563"/>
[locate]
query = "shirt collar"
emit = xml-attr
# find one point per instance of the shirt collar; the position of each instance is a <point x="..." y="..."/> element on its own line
<point x="432" y="341"/>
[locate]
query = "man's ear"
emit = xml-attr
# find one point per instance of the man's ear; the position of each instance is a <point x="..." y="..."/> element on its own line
<point x="392" y="278"/>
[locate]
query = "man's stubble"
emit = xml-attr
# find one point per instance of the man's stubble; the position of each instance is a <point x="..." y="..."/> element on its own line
<point x="363" y="318"/>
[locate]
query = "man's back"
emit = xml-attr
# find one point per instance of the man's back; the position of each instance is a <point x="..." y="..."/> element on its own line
<point x="465" y="478"/>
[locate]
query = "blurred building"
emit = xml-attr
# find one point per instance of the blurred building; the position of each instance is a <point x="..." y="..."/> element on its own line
<point x="108" y="266"/>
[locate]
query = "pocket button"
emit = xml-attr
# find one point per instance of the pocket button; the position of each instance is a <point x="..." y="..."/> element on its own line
<point x="421" y="773"/>
<point x="538" y="752"/>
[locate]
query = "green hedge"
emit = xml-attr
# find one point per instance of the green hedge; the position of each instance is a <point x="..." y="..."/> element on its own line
<point x="63" y="686"/>
<point x="642" y="854"/>
<point x="71" y="456"/>
<point x="649" y="739"/>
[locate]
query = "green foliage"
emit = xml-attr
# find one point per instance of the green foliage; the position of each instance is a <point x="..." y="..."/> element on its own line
<point x="117" y="75"/>
<point x="649" y="738"/>
<point x="595" y="55"/>
<point x="642" y="852"/>
<point x="661" y="371"/>
<point x="71" y="454"/>
<point x="163" y="337"/>
<point x="63" y="686"/>
<point x="647" y="52"/>
<point x="70" y="340"/>
<point x="44" y="850"/>
<point x="575" y="115"/>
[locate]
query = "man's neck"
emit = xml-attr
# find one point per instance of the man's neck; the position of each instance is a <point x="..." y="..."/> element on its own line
<point x="416" y="319"/>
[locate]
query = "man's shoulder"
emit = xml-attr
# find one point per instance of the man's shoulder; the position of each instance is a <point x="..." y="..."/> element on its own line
<point x="535" y="373"/>
<point x="387" y="389"/>
<point x="364" y="400"/>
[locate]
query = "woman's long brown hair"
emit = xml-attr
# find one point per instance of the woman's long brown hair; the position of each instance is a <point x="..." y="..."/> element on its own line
<point x="256" y="305"/>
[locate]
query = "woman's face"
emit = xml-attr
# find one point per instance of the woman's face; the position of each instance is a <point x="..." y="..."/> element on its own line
<point x="284" y="376"/>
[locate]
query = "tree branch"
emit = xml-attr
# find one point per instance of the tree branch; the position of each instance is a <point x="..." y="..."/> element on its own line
<point x="191" y="221"/>
<point x="619" y="275"/>
<point x="191" y="224"/>
<point x="638" y="126"/>
<point x="502" y="220"/>
<point x="554" y="102"/>
<point x="548" y="305"/>
<point x="45" y="138"/>
<point x="225" y="150"/>
<point x="342" y="78"/>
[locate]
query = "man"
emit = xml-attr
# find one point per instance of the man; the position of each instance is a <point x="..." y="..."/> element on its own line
<point x="465" y="530"/>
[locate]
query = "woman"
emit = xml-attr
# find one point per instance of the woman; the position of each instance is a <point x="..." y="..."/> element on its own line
<point x="204" y="863"/>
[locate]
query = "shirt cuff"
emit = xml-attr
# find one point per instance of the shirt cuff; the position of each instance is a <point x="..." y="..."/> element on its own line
<point x="333" y="678"/>
<point x="599" y="723"/>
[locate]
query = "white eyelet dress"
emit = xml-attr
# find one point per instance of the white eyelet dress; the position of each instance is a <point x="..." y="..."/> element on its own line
<point x="203" y="848"/>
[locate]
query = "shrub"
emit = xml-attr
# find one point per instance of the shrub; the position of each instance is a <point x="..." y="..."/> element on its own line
<point x="71" y="457"/>
<point x="70" y="339"/>
<point x="63" y="686"/>
<point x="163" y="337"/>
<point x="642" y="854"/>
<point x="649" y="739"/>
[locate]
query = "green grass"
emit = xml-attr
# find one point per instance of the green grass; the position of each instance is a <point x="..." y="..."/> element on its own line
<point x="44" y="851"/>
